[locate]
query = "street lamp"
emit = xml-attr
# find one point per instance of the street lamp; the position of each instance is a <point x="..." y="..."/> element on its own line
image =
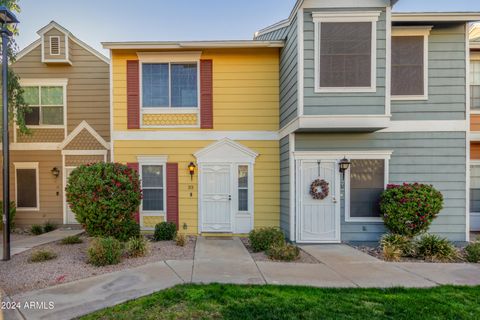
<point x="6" y="18"/>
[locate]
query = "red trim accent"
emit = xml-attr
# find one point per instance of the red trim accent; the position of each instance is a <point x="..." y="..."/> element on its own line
<point x="136" y="167"/>
<point x="133" y="94"/>
<point x="206" y="94"/>
<point x="172" y="193"/>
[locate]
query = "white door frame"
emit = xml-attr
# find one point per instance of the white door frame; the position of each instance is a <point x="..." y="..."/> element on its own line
<point x="299" y="204"/>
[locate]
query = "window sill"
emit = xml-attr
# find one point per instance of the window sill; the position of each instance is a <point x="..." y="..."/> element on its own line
<point x="45" y="127"/>
<point x="346" y="90"/>
<point x="28" y="209"/>
<point x="474" y="111"/>
<point x="364" y="220"/>
<point x="409" y="98"/>
<point x="153" y="213"/>
<point x="170" y="110"/>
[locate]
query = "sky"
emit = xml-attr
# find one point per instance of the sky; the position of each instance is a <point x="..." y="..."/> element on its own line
<point x="95" y="21"/>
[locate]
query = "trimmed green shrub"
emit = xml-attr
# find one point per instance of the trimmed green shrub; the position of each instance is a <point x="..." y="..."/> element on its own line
<point x="104" y="251"/>
<point x="36" y="229"/>
<point x="104" y="198"/>
<point x="13" y="211"/>
<point x="165" y="231"/>
<point x="264" y="238"/>
<point x="41" y="256"/>
<point x="136" y="247"/>
<point x="48" y="226"/>
<point x="284" y="252"/>
<point x="404" y="245"/>
<point x="432" y="247"/>
<point x="71" y="240"/>
<point x="409" y="209"/>
<point x="473" y="252"/>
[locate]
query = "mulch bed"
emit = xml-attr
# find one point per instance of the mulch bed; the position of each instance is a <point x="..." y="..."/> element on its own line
<point x="18" y="275"/>
<point x="261" y="256"/>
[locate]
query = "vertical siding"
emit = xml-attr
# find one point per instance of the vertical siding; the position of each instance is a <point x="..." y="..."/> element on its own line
<point x="436" y="158"/>
<point x="285" y="185"/>
<point x="446" y="72"/>
<point x="343" y="103"/>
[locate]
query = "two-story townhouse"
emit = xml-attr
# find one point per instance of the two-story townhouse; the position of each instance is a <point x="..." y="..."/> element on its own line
<point x="199" y="121"/>
<point x="475" y="128"/>
<point x="66" y="84"/>
<point x="382" y="93"/>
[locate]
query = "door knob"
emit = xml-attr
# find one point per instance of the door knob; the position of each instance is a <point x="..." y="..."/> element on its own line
<point x="334" y="200"/>
<point x="230" y="197"/>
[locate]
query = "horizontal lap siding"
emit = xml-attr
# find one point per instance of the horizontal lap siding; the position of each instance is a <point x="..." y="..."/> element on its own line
<point x="266" y="176"/>
<point x="343" y="103"/>
<point x="436" y="158"/>
<point x="446" y="100"/>
<point x="285" y="185"/>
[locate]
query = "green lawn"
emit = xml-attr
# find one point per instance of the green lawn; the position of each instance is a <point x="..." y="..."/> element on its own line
<point x="280" y="302"/>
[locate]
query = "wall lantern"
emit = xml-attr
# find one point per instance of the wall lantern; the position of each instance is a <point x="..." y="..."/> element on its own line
<point x="191" y="169"/>
<point x="55" y="172"/>
<point x="344" y="164"/>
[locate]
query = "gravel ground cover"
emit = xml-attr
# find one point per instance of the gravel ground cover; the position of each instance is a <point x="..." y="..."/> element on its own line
<point x="261" y="256"/>
<point x="18" y="275"/>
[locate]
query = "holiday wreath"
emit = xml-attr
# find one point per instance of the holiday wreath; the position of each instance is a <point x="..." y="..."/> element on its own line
<point x="319" y="189"/>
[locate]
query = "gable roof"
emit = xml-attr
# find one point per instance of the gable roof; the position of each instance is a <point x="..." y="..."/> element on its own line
<point x="57" y="26"/>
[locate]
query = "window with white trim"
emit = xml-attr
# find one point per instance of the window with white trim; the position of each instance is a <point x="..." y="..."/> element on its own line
<point x="153" y="187"/>
<point x="54" y="45"/>
<point x="46" y="105"/>
<point x="345" y="51"/>
<point x="475" y="85"/>
<point x="243" y="181"/>
<point x="27" y="186"/>
<point x="170" y="85"/>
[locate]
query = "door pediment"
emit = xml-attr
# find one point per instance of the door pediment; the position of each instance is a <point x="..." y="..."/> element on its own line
<point x="226" y="151"/>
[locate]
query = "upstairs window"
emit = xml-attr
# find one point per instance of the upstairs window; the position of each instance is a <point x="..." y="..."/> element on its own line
<point x="475" y="85"/>
<point x="410" y="63"/>
<point x="46" y="104"/>
<point x="345" y="51"/>
<point x="169" y="85"/>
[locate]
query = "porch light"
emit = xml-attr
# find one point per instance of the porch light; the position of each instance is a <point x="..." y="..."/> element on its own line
<point x="344" y="164"/>
<point x="55" y="171"/>
<point x="191" y="169"/>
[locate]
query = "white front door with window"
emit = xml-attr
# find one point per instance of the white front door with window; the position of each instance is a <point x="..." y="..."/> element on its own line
<point x="318" y="221"/>
<point x="69" y="215"/>
<point x="216" y="198"/>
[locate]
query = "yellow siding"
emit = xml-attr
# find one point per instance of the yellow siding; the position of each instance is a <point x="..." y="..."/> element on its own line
<point x="150" y="222"/>
<point x="266" y="176"/>
<point x="245" y="89"/>
<point x="170" y="119"/>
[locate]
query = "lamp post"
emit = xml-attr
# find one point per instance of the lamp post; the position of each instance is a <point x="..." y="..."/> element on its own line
<point x="6" y="18"/>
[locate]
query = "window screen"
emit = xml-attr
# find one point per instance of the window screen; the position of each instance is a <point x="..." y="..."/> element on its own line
<point x="475" y="84"/>
<point x="475" y="189"/>
<point x="242" y="188"/>
<point x="408" y="66"/>
<point x="26" y="188"/>
<point x="345" y="54"/>
<point x="152" y="186"/>
<point x="367" y="180"/>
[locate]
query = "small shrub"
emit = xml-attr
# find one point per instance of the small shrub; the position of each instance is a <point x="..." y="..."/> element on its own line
<point x="71" y="240"/>
<point x="165" y="231"/>
<point x="48" y="227"/>
<point x="13" y="211"/>
<point x="104" y="251"/>
<point x="36" y="229"/>
<point x="137" y="247"/>
<point x="42" y="255"/>
<point x="405" y="245"/>
<point x="409" y="209"/>
<point x="391" y="252"/>
<point x="264" y="238"/>
<point x="181" y="240"/>
<point x="434" y="248"/>
<point x="473" y="252"/>
<point x="284" y="252"/>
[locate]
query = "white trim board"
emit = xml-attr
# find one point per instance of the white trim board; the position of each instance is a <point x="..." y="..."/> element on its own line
<point x="195" y="135"/>
<point x="28" y="165"/>
<point x="428" y="126"/>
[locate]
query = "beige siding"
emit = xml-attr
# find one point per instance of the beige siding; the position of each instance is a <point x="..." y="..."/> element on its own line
<point x="46" y="41"/>
<point x="75" y="161"/>
<point x="51" y="194"/>
<point x="88" y="87"/>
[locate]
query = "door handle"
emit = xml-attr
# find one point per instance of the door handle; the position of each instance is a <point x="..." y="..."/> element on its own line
<point x="230" y="197"/>
<point x="334" y="200"/>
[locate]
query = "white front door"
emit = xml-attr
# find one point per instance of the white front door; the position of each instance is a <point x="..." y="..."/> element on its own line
<point x="318" y="221"/>
<point x="216" y="197"/>
<point x="69" y="215"/>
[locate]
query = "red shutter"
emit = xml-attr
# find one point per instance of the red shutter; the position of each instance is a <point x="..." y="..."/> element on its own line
<point x="133" y="95"/>
<point x="206" y="94"/>
<point x="172" y="193"/>
<point x="135" y="166"/>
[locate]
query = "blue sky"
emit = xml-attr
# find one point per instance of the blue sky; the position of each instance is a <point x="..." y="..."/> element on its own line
<point x="95" y="21"/>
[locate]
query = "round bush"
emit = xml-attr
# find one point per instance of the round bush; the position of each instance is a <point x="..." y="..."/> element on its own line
<point x="409" y="209"/>
<point x="284" y="252"/>
<point x="104" y="251"/>
<point x="165" y="231"/>
<point x="473" y="252"/>
<point x="104" y="198"/>
<point x="264" y="238"/>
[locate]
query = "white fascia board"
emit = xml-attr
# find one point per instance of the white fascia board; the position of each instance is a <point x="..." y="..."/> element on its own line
<point x="193" y="44"/>
<point x="435" y="16"/>
<point x="195" y="135"/>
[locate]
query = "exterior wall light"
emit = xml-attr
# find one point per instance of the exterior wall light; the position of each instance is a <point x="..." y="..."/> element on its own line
<point x="55" y="171"/>
<point x="344" y="164"/>
<point x="191" y="169"/>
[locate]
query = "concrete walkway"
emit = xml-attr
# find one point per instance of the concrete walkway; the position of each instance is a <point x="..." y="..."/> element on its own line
<point x="227" y="261"/>
<point x="31" y="242"/>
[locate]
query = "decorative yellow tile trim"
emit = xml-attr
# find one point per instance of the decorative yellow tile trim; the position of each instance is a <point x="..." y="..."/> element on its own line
<point x="170" y="119"/>
<point x="150" y="222"/>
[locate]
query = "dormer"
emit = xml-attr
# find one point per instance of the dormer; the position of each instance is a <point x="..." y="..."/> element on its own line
<point x="55" y="42"/>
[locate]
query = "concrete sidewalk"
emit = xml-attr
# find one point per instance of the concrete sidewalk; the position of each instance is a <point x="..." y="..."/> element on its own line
<point x="227" y="261"/>
<point x="31" y="242"/>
